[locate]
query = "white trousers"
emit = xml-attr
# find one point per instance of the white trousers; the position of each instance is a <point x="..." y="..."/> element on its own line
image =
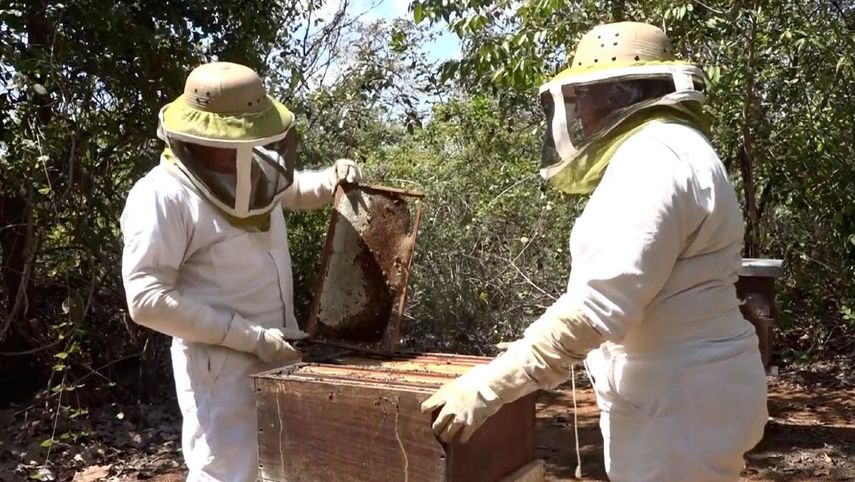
<point x="679" y="420"/>
<point x="215" y="394"/>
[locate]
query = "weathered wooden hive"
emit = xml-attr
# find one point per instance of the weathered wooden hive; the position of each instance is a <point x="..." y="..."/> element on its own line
<point x="352" y="411"/>
<point x="756" y="291"/>
<point x="360" y="421"/>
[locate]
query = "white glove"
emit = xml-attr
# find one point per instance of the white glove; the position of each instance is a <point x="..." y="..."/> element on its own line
<point x="542" y="359"/>
<point x="466" y="403"/>
<point x="561" y="337"/>
<point x="269" y="344"/>
<point x="273" y="347"/>
<point x="345" y="171"/>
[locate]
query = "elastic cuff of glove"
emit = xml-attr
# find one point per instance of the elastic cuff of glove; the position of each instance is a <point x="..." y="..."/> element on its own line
<point x="476" y="378"/>
<point x="488" y="394"/>
<point x="512" y="387"/>
<point x="502" y="379"/>
<point x="242" y="335"/>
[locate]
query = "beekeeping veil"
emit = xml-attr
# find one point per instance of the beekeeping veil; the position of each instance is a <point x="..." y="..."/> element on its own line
<point x="225" y="106"/>
<point x="622" y="76"/>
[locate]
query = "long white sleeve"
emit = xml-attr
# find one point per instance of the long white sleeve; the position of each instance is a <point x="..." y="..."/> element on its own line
<point x="542" y="358"/>
<point x="310" y="190"/>
<point x="156" y="229"/>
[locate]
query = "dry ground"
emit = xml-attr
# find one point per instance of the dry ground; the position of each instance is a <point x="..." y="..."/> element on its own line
<point x="810" y="436"/>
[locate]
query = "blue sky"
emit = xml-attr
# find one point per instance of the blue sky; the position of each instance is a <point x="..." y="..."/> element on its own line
<point x="446" y="46"/>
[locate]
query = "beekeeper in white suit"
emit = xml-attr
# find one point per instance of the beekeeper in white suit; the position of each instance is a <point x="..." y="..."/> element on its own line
<point x="206" y="256"/>
<point x="655" y="254"/>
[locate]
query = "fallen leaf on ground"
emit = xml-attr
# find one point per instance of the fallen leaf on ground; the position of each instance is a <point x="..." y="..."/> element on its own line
<point x="93" y="473"/>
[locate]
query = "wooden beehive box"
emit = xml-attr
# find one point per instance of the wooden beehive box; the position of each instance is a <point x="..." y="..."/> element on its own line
<point x="756" y="291"/>
<point x="358" y="419"/>
<point x="349" y="417"/>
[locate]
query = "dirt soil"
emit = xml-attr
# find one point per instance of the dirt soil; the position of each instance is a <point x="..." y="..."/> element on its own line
<point x="810" y="436"/>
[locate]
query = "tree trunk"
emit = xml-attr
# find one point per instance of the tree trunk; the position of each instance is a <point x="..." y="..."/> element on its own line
<point x="752" y="230"/>
<point x="619" y="10"/>
<point x="15" y="208"/>
<point x="13" y="241"/>
<point x="746" y="152"/>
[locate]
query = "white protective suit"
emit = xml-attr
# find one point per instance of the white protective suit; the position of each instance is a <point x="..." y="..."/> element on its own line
<point x="679" y="382"/>
<point x="655" y="254"/>
<point x="187" y="271"/>
<point x="678" y="375"/>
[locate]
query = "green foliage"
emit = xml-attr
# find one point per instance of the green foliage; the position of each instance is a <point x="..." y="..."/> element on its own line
<point x="81" y="83"/>
<point x="491" y="254"/>
<point x="372" y="104"/>
<point x="784" y="116"/>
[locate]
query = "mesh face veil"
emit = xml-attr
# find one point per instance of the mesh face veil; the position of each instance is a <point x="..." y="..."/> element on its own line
<point x="618" y="70"/>
<point x="232" y="142"/>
